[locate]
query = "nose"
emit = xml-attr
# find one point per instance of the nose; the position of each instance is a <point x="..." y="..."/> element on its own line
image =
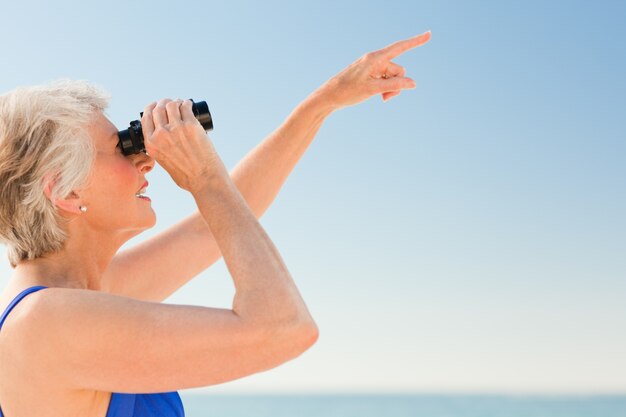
<point x="144" y="162"/>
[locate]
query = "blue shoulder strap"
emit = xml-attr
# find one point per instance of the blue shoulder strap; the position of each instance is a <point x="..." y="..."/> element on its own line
<point x="16" y="300"/>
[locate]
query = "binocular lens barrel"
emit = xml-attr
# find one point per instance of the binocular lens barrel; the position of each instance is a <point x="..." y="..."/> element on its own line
<point x="131" y="139"/>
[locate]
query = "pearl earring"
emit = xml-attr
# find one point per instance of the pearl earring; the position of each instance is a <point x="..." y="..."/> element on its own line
<point x="82" y="208"/>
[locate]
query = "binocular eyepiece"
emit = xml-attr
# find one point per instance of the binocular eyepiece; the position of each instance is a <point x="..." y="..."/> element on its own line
<point x="131" y="139"/>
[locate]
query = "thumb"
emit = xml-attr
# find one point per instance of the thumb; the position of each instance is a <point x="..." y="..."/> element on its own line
<point x="395" y="84"/>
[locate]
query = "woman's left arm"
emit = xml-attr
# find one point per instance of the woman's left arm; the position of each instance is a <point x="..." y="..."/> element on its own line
<point x="156" y="268"/>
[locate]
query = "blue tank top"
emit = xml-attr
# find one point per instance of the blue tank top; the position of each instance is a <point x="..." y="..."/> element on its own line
<point x="166" y="404"/>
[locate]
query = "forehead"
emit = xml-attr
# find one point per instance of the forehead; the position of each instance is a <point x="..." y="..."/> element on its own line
<point x="102" y="130"/>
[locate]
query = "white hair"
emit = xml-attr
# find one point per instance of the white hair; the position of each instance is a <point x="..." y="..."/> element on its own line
<point x="43" y="136"/>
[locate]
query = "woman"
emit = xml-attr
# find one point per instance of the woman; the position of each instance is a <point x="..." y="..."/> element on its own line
<point x="97" y="341"/>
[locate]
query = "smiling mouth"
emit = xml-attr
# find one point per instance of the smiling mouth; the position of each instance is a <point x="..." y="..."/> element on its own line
<point x="140" y="194"/>
<point x="142" y="191"/>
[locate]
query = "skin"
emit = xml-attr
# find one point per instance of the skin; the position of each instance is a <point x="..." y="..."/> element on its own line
<point x="91" y="260"/>
<point x="114" y="216"/>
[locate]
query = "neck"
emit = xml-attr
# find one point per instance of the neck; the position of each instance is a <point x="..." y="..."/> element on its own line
<point x="80" y="264"/>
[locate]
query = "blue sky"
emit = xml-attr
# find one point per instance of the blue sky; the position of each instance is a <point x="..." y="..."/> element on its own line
<point x="467" y="235"/>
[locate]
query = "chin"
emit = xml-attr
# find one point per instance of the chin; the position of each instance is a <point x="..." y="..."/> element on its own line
<point x="145" y="224"/>
<point x="152" y="221"/>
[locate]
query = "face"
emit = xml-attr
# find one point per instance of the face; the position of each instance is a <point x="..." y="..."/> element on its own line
<point x="110" y="197"/>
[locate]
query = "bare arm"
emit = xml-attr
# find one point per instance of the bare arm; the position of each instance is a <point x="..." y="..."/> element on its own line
<point x="156" y="268"/>
<point x="265" y="291"/>
<point x="164" y="263"/>
<point x="105" y="342"/>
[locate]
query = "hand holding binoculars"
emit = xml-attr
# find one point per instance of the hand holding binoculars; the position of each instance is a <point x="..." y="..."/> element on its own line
<point x="132" y="141"/>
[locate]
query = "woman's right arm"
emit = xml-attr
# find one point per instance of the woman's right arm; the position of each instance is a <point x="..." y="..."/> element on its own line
<point x="94" y="340"/>
<point x="91" y="340"/>
<point x="265" y="292"/>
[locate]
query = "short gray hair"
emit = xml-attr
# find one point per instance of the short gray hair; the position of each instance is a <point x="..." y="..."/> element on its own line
<point x="43" y="136"/>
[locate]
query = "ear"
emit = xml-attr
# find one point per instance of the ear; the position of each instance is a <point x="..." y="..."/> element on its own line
<point x="70" y="204"/>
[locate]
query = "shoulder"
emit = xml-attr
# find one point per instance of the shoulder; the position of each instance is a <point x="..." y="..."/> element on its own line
<point x="51" y="306"/>
<point x="40" y="327"/>
<point x="21" y="312"/>
<point x="37" y="315"/>
<point x="27" y="359"/>
<point x="20" y="348"/>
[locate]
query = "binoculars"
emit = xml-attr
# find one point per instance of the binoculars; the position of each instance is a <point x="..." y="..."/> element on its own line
<point x="131" y="139"/>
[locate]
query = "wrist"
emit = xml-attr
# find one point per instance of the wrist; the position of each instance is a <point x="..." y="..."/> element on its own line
<point x="215" y="182"/>
<point x="323" y="101"/>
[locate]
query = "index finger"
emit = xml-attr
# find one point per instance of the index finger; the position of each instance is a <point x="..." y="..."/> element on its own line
<point x="400" y="47"/>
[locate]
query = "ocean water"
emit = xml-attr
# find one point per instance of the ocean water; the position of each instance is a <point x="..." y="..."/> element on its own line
<point x="401" y="405"/>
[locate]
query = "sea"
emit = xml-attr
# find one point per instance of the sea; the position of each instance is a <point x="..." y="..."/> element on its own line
<point x="401" y="405"/>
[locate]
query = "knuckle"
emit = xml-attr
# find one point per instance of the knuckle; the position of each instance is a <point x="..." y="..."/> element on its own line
<point x="375" y="55"/>
<point x="160" y="131"/>
<point x="396" y="45"/>
<point x="171" y="105"/>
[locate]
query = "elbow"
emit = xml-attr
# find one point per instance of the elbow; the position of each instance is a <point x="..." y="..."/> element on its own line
<point x="294" y="340"/>
<point x="310" y="334"/>
<point x="307" y="336"/>
<point x="305" y="329"/>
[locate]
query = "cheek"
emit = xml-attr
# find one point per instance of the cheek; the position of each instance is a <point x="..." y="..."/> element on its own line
<point x="123" y="179"/>
<point x="114" y="183"/>
<point x="125" y="171"/>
